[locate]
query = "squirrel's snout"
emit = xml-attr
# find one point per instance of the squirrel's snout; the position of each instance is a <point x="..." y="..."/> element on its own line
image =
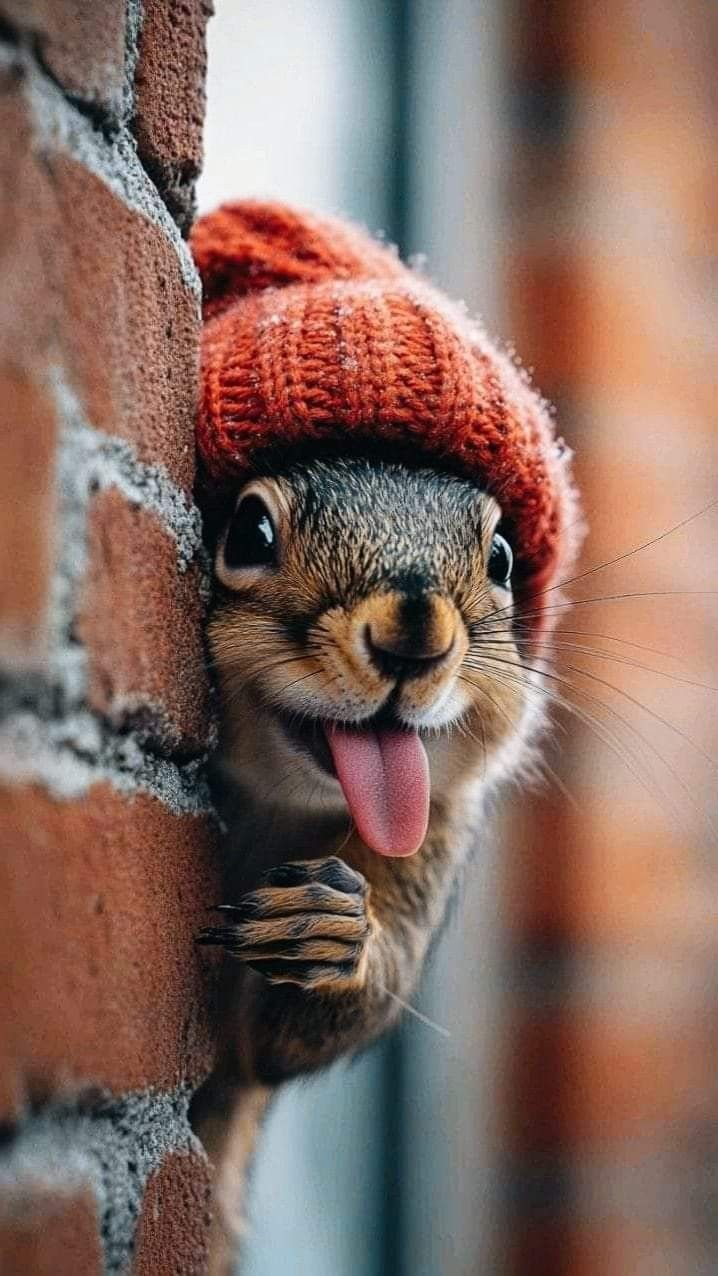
<point x="407" y="636"/>
<point x="407" y="647"/>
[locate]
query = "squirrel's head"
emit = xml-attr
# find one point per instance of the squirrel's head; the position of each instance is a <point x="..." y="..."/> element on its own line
<point x="363" y="619"/>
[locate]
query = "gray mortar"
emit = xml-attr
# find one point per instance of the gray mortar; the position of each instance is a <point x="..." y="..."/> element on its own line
<point x="111" y="1147"/>
<point x="76" y="747"/>
<point x="49" y="736"/>
<point x="89" y="462"/>
<point x="134" y="17"/>
<point x="59" y="125"/>
<point x="67" y="756"/>
<point x="92" y="461"/>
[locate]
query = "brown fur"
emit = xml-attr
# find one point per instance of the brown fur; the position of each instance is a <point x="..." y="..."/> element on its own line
<point x="322" y="935"/>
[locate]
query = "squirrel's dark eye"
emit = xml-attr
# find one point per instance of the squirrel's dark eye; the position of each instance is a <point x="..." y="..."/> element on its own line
<point x="251" y="539"/>
<point x="501" y="560"/>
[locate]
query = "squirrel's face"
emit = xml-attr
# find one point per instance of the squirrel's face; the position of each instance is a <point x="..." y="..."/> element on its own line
<point x="368" y="594"/>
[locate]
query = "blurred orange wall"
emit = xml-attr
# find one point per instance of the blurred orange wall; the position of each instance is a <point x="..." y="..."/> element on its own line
<point x="610" y="894"/>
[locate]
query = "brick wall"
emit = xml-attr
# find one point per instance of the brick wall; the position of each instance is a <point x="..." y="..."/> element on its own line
<point x="611" y="1099"/>
<point x="108" y="838"/>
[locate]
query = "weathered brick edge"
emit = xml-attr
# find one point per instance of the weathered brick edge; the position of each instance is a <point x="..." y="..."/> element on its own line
<point x="112" y="1148"/>
<point x="81" y="1139"/>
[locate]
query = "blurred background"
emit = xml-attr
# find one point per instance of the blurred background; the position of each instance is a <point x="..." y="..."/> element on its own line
<point x="554" y="162"/>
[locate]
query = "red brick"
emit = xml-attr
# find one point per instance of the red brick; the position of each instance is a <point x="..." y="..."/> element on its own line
<point x="46" y="1233"/>
<point x="173" y="1231"/>
<point x="611" y="1078"/>
<point x="26" y="518"/>
<point x="648" y="350"/>
<point x="633" y="58"/>
<point x="580" y="1248"/>
<point x="29" y="317"/>
<point x="170" y="98"/>
<point x="547" y="295"/>
<point x="82" y="45"/>
<point x="151" y="651"/>
<point x="630" y="340"/>
<point x="29" y="267"/>
<point x="101" y="980"/>
<point x="601" y="876"/>
<point x="92" y="284"/>
<point x="131" y="324"/>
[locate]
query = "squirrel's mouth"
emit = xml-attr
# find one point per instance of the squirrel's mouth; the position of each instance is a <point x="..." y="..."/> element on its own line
<point x="308" y="735"/>
<point x="383" y="770"/>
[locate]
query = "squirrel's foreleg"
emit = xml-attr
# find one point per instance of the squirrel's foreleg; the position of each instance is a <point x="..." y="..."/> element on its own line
<point x="327" y="963"/>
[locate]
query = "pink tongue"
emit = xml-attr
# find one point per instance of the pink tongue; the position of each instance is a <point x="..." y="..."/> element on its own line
<point x="385" y="778"/>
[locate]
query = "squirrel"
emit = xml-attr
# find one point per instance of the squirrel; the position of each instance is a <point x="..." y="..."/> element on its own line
<point x="381" y="555"/>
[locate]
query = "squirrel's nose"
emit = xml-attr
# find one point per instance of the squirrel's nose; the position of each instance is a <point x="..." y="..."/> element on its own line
<point x="408" y="636"/>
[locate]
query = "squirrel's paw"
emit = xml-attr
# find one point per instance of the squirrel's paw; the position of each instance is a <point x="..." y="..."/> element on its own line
<point x="306" y="923"/>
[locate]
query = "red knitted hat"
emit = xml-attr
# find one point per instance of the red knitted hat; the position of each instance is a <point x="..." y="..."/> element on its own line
<point x="317" y="334"/>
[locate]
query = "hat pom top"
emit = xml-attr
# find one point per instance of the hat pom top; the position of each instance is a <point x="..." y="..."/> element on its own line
<point x="248" y="246"/>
